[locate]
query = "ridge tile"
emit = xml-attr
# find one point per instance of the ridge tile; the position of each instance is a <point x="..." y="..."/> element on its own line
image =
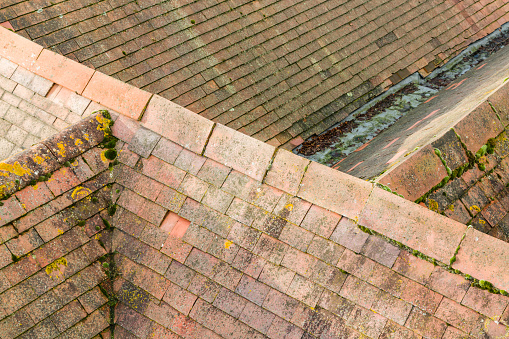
<point x="176" y="123"/>
<point x="334" y="190"/>
<point x="241" y="152"/>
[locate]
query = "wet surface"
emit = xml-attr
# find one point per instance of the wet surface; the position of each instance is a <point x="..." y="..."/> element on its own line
<point x="337" y="146"/>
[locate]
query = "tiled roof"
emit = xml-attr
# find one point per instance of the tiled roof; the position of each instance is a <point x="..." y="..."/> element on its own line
<point x="214" y="234"/>
<point x="275" y="70"/>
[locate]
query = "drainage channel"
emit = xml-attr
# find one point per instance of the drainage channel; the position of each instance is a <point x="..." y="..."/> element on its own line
<point x="367" y="122"/>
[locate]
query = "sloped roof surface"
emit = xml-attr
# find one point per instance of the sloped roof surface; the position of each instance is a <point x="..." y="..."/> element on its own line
<point x="217" y="234"/>
<point x="271" y="69"/>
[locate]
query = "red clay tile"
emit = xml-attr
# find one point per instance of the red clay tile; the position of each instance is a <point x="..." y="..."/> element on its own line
<point x="425" y="324"/>
<point x="417" y="175"/>
<point x="286" y="171"/>
<point x="334" y="190"/>
<point x="213" y="172"/>
<point x="243" y="212"/>
<point x="189" y="161"/>
<point x="230" y="302"/>
<point x="63" y="180"/>
<point x="248" y="263"/>
<point x="167" y="150"/>
<point x="421" y="296"/>
<point x="393" y="330"/>
<point x="283" y="329"/>
<point x="478" y="126"/>
<point x="380" y="251"/>
<point x="355" y="264"/>
<point x="328" y="276"/>
<point x="270" y="224"/>
<point x="359" y="292"/>
<point x="320" y="221"/>
<point x="392" y="308"/>
<point x="125" y="128"/>
<point x="193" y="187"/>
<point x="296" y="236"/>
<point x="449" y="284"/>
<point x="349" y="235"/>
<point x="176" y="249"/>
<point x="413" y="267"/>
<point x="179" y="299"/>
<point x="270" y="249"/>
<point x="204" y="288"/>
<point x="384" y="210"/>
<point x="34" y="196"/>
<point x="280" y="304"/>
<point x="457" y="315"/>
<point x="304" y="290"/>
<point x="277" y="277"/>
<point x="177" y="124"/>
<point x="367" y="322"/>
<point x="256" y="317"/>
<point x="10" y="211"/>
<point x="292" y="208"/>
<point x="325" y="250"/>
<point x="217" y="199"/>
<point x="5" y="256"/>
<point x="484" y="302"/>
<point x="336" y="304"/>
<point x="117" y="95"/>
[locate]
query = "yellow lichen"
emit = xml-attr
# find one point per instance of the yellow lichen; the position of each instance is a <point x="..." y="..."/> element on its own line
<point x="38" y="159"/>
<point x="451" y="208"/>
<point x="78" y="142"/>
<point x="80" y="192"/>
<point x="61" y="149"/>
<point x="227" y="244"/>
<point x="475" y="207"/>
<point x="16" y="168"/>
<point x="104" y="123"/>
<point x="433" y="205"/>
<point x="103" y="156"/>
<point x="482" y="222"/>
<point x="55" y="269"/>
<point x="87" y="137"/>
<point x="289" y="207"/>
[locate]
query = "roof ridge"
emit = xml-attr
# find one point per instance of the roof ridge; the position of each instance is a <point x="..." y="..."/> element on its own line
<point x="42" y="159"/>
<point x="146" y="120"/>
<point x="319" y="184"/>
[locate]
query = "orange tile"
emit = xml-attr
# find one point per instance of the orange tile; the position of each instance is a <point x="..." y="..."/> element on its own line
<point x="62" y="71"/>
<point x="18" y="49"/>
<point x="117" y="95"/>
